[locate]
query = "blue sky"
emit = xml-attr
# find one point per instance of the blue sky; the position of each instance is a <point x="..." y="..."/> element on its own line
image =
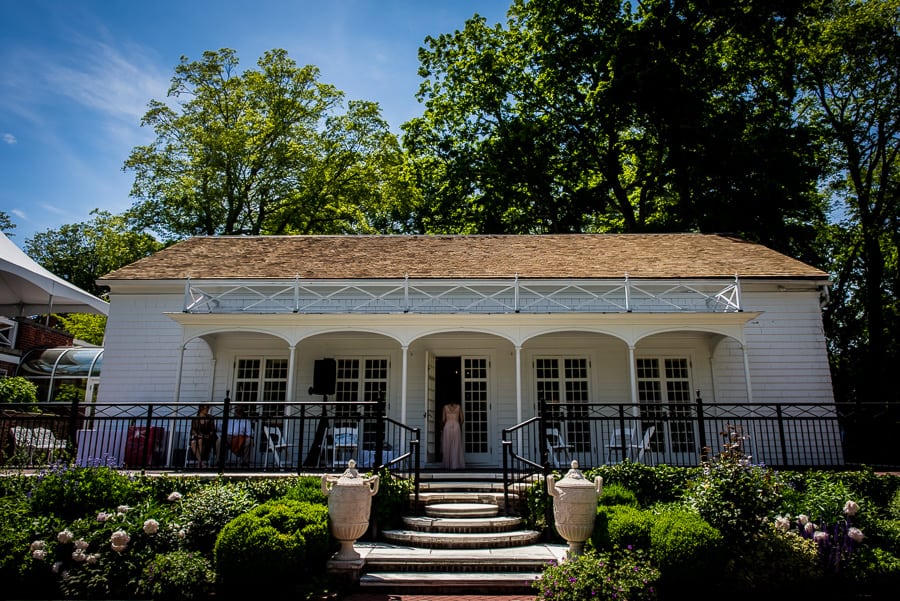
<point x="76" y="77"/>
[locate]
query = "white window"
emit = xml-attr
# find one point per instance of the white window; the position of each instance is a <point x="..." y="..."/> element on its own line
<point x="664" y="389"/>
<point x="565" y="380"/>
<point x="261" y="379"/>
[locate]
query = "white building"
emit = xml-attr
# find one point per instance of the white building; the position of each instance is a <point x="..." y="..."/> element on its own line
<point x="497" y="322"/>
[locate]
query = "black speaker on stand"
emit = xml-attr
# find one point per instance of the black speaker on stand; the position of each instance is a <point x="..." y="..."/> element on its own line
<point x="324" y="376"/>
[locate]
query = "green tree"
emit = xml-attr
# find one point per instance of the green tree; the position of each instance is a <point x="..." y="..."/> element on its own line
<point x="6" y="224"/>
<point x="84" y="326"/>
<point x="609" y="115"/>
<point x="850" y="76"/>
<point x="82" y="252"/>
<point x="262" y="151"/>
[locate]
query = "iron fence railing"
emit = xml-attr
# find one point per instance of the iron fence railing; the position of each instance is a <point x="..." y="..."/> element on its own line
<point x="779" y="435"/>
<point x="303" y="437"/>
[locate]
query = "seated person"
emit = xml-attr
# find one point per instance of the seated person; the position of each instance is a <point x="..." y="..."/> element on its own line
<point x="203" y="435"/>
<point x="239" y="438"/>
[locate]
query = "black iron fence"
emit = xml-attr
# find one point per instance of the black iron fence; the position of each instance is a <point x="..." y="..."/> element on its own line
<point x="780" y="435"/>
<point x="305" y="437"/>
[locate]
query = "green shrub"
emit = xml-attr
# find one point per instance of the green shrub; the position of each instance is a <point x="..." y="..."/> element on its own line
<point x="392" y="500"/>
<point x="617" y="494"/>
<point x="17" y="389"/>
<point x="621" y="526"/>
<point x="774" y="562"/>
<point x="14" y="535"/>
<point x="893" y="507"/>
<point x="105" y="555"/>
<point x="177" y="575"/>
<point x="278" y="542"/>
<point x="820" y="496"/>
<point x="621" y="574"/>
<point x="733" y="495"/>
<point x="650" y="484"/>
<point x="266" y="489"/>
<point x="309" y="490"/>
<point x="205" y="512"/>
<point x="873" y="571"/>
<point x="685" y="546"/>
<point x="71" y="492"/>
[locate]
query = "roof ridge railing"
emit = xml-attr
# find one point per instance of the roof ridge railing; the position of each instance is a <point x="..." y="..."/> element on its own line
<point x="498" y="295"/>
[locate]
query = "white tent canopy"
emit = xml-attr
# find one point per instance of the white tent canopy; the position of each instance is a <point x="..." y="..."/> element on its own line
<point x="26" y="288"/>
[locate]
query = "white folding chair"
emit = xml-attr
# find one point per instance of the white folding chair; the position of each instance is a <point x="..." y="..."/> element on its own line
<point x="275" y="444"/>
<point x="617" y="446"/>
<point x="557" y="448"/>
<point x="345" y="442"/>
<point x="644" y="445"/>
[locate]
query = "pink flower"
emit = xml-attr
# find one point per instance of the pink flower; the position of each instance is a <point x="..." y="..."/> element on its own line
<point x="39" y="554"/>
<point x="65" y="536"/>
<point x="151" y="526"/>
<point x="37" y="545"/>
<point x="850" y="508"/>
<point x="855" y="534"/>
<point x="119" y="540"/>
<point x="174" y="496"/>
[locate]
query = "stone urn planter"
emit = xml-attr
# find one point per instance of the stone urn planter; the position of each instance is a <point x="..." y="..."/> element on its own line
<point x="574" y="507"/>
<point x="349" y="505"/>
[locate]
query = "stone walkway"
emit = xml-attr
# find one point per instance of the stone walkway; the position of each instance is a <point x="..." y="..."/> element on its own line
<point x="404" y="597"/>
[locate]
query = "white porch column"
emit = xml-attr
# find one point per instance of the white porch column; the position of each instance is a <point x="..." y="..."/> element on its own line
<point x="747" y="372"/>
<point x="177" y="402"/>
<point x="403" y="384"/>
<point x="518" y="384"/>
<point x="178" y="376"/>
<point x="632" y="375"/>
<point x="290" y="380"/>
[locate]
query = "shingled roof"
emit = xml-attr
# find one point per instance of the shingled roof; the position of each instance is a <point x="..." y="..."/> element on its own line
<point x="539" y="256"/>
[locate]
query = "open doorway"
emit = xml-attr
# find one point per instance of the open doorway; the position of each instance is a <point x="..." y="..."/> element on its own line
<point x="447" y="389"/>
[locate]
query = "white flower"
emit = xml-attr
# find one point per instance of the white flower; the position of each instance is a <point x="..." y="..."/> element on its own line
<point x="82" y="544"/>
<point x="850" y="508"/>
<point x="37" y="545"/>
<point x="151" y="526"/>
<point x="783" y="523"/>
<point x="182" y="533"/>
<point x="119" y="540"/>
<point x="56" y="567"/>
<point x="820" y="537"/>
<point x="93" y="558"/>
<point x="65" y="536"/>
<point x="39" y="554"/>
<point x="122" y="509"/>
<point x="809" y="528"/>
<point x="103" y="516"/>
<point x="803" y="519"/>
<point x="78" y="555"/>
<point x="174" y="496"/>
<point x="855" y="534"/>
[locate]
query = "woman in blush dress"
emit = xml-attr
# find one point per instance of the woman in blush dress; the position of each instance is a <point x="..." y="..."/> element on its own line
<point x="451" y="437"/>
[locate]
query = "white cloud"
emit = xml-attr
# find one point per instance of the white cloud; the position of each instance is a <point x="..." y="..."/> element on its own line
<point x="20" y="214"/>
<point x="8" y="138"/>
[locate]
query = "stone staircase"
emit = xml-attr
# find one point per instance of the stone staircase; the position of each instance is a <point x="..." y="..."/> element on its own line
<point x="459" y="541"/>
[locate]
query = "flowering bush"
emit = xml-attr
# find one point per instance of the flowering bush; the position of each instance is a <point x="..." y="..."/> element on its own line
<point x="623" y="575"/>
<point x="775" y="560"/>
<point x="731" y="493"/>
<point x="206" y="512"/>
<point x="70" y="492"/>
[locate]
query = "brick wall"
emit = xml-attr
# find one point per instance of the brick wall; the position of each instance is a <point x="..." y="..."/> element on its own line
<point x="33" y="335"/>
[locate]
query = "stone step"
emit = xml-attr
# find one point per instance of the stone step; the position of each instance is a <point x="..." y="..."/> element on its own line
<point x="461" y="510"/>
<point x="460" y="486"/>
<point x="462" y="524"/>
<point x="450" y="583"/>
<point x="381" y="557"/>
<point x="462" y="540"/>
<point x="451" y="496"/>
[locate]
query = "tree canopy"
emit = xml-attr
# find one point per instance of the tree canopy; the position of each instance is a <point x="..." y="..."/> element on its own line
<point x="263" y="151"/>
<point x="606" y="115"/>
